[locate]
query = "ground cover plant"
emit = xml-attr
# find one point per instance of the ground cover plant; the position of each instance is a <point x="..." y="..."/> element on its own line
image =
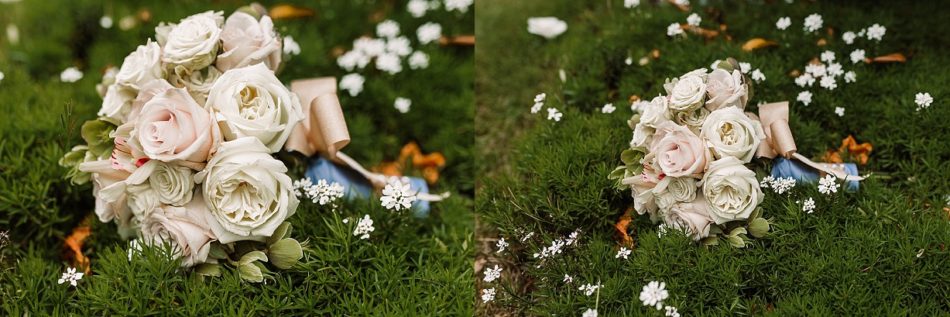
<point x="403" y="260"/>
<point x="878" y="251"/>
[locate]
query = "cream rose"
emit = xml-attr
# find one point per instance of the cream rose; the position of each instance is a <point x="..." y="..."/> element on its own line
<point x="731" y="133"/>
<point x="193" y="43"/>
<point x="725" y="90"/>
<point x="678" y="151"/>
<point x="173" y="184"/>
<point x="173" y="128"/>
<point x="198" y="83"/>
<point x="687" y="92"/>
<point x="117" y="104"/>
<point x="246" y="190"/>
<point x="642" y="135"/>
<point x="246" y="41"/>
<point x="731" y="190"/>
<point x="691" y="119"/>
<point x="141" y="66"/>
<point x="185" y="229"/>
<point x="691" y="217"/>
<point x="680" y="189"/>
<point x="656" y="112"/>
<point x="251" y="102"/>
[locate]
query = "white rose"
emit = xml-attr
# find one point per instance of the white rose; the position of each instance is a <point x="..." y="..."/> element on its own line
<point x="692" y="217"/>
<point x="656" y="112"/>
<point x="732" y="192"/>
<point x="642" y="135"/>
<point x="251" y="102"/>
<point x="548" y="27"/>
<point x="193" y="43"/>
<point x="686" y="93"/>
<point x="185" y="229"/>
<point x="691" y="119"/>
<point x="246" y="41"/>
<point x="173" y="184"/>
<point x="247" y="191"/>
<point x="731" y="133"/>
<point x="142" y="199"/>
<point x="680" y="189"/>
<point x="117" y="104"/>
<point x="725" y="90"/>
<point x="141" y="66"/>
<point x="198" y="83"/>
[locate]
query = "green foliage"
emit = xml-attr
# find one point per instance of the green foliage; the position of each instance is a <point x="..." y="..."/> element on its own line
<point x="408" y="266"/>
<point x="857" y="254"/>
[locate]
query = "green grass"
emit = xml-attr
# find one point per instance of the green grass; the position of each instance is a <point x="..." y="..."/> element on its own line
<point x="408" y="267"/>
<point x="856" y="255"/>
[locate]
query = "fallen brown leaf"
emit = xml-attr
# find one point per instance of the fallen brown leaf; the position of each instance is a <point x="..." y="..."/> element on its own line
<point x="461" y="40"/>
<point x="74" y="244"/>
<point x="757" y="43"/>
<point x="889" y="58"/>
<point x="620" y="229"/>
<point x="288" y="11"/>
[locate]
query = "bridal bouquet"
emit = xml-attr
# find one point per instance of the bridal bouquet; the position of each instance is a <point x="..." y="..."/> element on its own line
<point x="181" y="153"/>
<point x="686" y="164"/>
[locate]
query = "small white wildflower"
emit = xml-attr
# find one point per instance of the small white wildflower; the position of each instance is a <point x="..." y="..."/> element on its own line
<point x="369" y="47"/>
<point x="923" y="100"/>
<point x="418" y="60"/>
<point x="608" y="108"/>
<point x="623" y="253"/>
<point x="813" y="22"/>
<point x="631" y="3"/>
<point x="782" y="185"/>
<point x="387" y="29"/>
<point x="628" y="61"/>
<point x="848" y="37"/>
<point x="492" y="274"/>
<point x="105" y="22"/>
<point x="661" y="230"/>
<point x="839" y="111"/>
<point x="501" y="245"/>
<point x="783" y="23"/>
<point x="828" y="82"/>
<point x="745" y="67"/>
<point x="757" y="75"/>
<point x="572" y="238"/>
<point x="766" y="182"/>
<point x="417" y="8"/>
<point x="351" y="60"/>
<point x="540" y="97"/>
<point x="429" y="32"/>
<point x="71" y="276"/>
<point x="389" y="63"/>
<point x="674" y="30"/>
<point x="653" y="294"/>
<point x="862" y="32"/>
<point x="672" y="311"/>
<point x="920" y="253"/>
<point x="804" y="97"/>
<point x="816" y="70"/>
<point x="290" y="46"/>
<point x="402" y="104"/>
<point x="681" y="2"/>
<point x="554" y="114"/>
<point x="857" y="56"/>
<point x="589" y="289"/>
<point x="352" y="83"/>
<point x="809" y="205"/>
<point x="828" y="56"/>
<point x="850" y="77"/>
<point x="590" y="312"/>
<point x="458" y="5"/>
<point x="364" y="227"/>
<point x="399" y="46"/>
<point x="805" y="80"/>
<point x="537" y="107"/>
<point x="2" y="76"/>
<point x="346" y="220"/>
<point x="568" y="279"/>
<point x="876" y="32"/>
<point x="694" y="19"/>
<point x="397" y="195"/>
<point x="835" y="70"/>
<point x="828" y="185"/>
<point x="488" y="295"/>
<point x="70" y="75"/>
<point x="527" y="236"/>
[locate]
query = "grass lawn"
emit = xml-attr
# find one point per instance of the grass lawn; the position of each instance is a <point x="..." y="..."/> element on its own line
<point x="408" y="266"/>
<point x="879" y="251"/>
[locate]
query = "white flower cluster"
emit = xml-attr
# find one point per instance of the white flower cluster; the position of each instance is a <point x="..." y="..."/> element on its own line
<point x="553" y="113"/>
<point x="813" y="22"/>
<point x="71" y="276"/>
<point x="501" y="245"/>
<point x="828" y="185"/>
<point x="590" y="312"/>
<point x="322" y="192"/>
<point x="387" y="51"/>
<point x="492" y="274"/>
<point x="779" y="185"/>
<point x="653" y="294"/>
<point x="398" y="194"/>
<point x="488" y="295"/>
<point x="364" y="227"/>
<point x="589" y="289"/>
<point x="557" y="246"/>
<point x="809" y="205"/>
<point x="923" y="100"/>
<point x="783" y="23"/>
<point x="623" y="253"/>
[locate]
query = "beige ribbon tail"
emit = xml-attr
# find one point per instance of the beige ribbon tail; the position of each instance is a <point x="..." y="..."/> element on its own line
<point x="840" y="174"/>
<point x="379" y="180"/>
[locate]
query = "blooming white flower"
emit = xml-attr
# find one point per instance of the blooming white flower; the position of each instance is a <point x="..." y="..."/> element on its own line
<point x="488" y="295"/>
<point x="674" y="29"/>
<point x="572" y="237"/>
<point x="2" y="76"/>
<point x="429" y="32"/>
<point x="402" y="104"/>
<point x="923" y="100"/>
<point x="417" y="8"/>
<point x="554" y="114"/>
<point x="458" y="5"/>
<point x="568" y="279"/>
<point x="813" y="22"/>
<point x="387" y="29"/>
<point x="623" y="253"/>
<point x="352" y="83"/>
<point x="589" y="289"/>
<point x="105" y="22"/>
<point x="809" y="205"/>
<point x="848" y="37"/>
<point x="590" y="312"/>
<point x="757" y="75"/>
<point x="816" y="70"/>
<point x="364" y="227"/>
<point x="369" y="46"/>
<point x="782" y="185"/>
<point x="850" y="77"/>
<point x="745" y="67"/>
<point x="804" y="80"/>
<point x="828" y="82"/>
<point x="492" y="274"/>
<point x="828" y="185"/>
<point x="857" y="56"/>
<point x="608" y="108"/>
<point x="398" y="194"/>
<point x="835" y="70"/>
<point x="547" y="27"/>
<point x="352" y="59"/>
<point x="537" y="107"/>
<point x="671" y="311"/>
<point x="389" y="63"/>
<point x="290" y="46"/>
<point x="631" y="3"/>
<point x="783" y="23"/>
<point x="71" y="276"/>
<point x="693" y="19"/>
<point x="661" y="230"/>
<point x="766" y="182"/>
<point x="323" y="192"/>
<point x="399" y="46"/>
<point x="540" y="97"/>
<point x="828" y="56"/>
<point x="418" y="60"/>
<point x="653" y="294"/>
<point x="804" y="97"/>
<point x="70" y="75"/>
<point x="876" y="32"/>
<point x="501" y="245"/>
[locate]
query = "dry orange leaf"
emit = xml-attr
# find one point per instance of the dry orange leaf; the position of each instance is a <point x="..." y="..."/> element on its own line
<point x="706" y="33"/>
<point x="757" y="43"/>
<point x="859" y="152"/>
<point x="74" y="246"/>
<point x="461" y="40"/>
<point x="889" y="58"/>
<point x="428" y="164"/>
<point x="287" y="11"/>
<point x="831" y="157"/>
<point x="620" y="229"/>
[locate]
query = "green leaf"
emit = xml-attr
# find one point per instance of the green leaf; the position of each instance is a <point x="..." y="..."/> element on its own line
<point x="282" y="231"/>
<point x="759" y="227"/>
<point x="251" y="273"/>
<point x="736" y="241"/>
<point x="208" y="269"/>
<point x="285" y="253"/>
<point x="253" y="256"/>
<point x="217" y="251"/>
<point x="618" y="173"/>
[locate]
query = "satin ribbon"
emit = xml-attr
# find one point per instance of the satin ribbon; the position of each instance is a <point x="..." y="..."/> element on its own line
<point x="779" y="140"/>
<point x="323" y="129"/>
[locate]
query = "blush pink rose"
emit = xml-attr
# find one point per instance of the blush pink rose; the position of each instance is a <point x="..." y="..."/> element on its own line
<point x="679" y="152"/>
<point x="246" y="41"/>
<point x="172" y="127"/>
